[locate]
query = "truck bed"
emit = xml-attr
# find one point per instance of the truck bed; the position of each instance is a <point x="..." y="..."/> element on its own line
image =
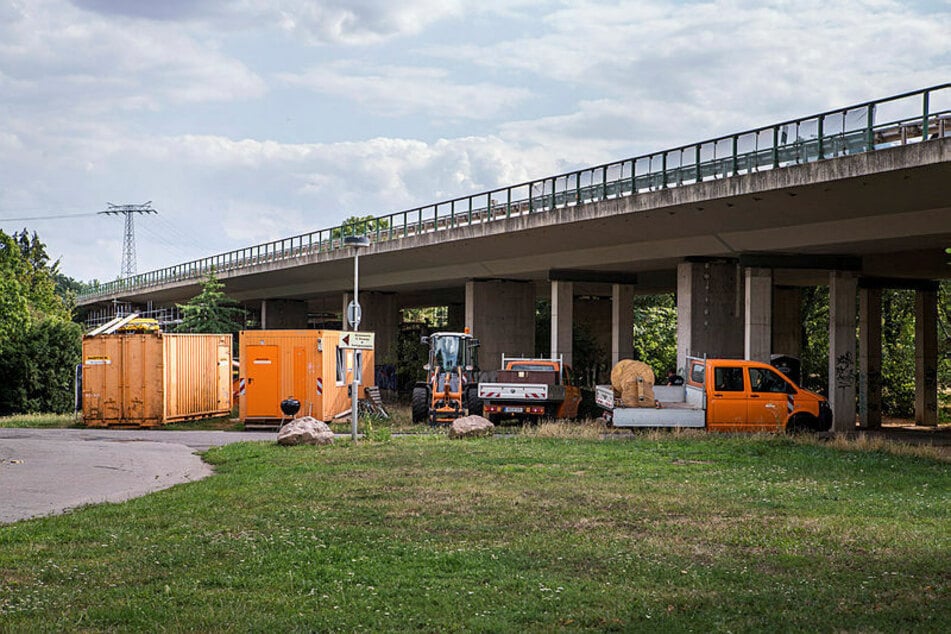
<point x="678" y="406"/>
<point x="684" y="416"/>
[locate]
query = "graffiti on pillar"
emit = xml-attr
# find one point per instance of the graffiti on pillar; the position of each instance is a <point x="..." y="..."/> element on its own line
<point x="845" y="370"/>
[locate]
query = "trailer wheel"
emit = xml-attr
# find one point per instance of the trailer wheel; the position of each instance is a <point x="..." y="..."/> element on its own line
<point x="420" y="404"/>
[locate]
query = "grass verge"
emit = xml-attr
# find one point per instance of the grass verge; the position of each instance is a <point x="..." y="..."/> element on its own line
<point x="40" y="421"/>
<point x="674" y="532"/>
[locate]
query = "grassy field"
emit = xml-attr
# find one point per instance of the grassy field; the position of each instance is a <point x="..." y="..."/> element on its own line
<point x="670" y="532"/>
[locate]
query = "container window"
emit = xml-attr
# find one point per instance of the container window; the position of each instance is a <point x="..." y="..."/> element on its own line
<point x="341" y="366"/>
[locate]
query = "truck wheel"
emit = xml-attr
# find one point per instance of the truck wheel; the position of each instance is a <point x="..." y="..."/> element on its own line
<point x="420" y="404"/>
<point x="802" y="424"/>
<point x="473" y="402"/>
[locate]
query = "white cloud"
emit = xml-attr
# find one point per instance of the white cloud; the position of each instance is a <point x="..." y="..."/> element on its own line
<point x="361" y="21"/>
<point x="393" y="91"/>
<point x="352" y="22"/>
<point x="729" y="58"/>
<point x="55" y="57"/>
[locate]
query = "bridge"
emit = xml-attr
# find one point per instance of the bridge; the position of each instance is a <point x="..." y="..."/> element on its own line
<point x="856" y="198"/>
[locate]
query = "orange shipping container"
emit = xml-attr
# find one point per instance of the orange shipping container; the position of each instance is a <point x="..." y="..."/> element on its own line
<point x="151" y="379"/>
<point x="309" y="365"/>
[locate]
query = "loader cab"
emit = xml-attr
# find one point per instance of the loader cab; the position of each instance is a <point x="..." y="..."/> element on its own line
<point x="451" y="350"/>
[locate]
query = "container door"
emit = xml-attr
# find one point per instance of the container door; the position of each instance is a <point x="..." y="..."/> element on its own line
<point x="726" y="404"/>
<point x="263" y="391"/>
<point x="769" y="400"/>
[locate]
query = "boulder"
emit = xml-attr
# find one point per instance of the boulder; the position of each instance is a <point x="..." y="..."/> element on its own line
<point x="471" y="427"/>
<point x="306" y="430"/>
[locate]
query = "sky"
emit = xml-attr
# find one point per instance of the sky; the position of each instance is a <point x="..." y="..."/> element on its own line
<point x="244" y="121"/>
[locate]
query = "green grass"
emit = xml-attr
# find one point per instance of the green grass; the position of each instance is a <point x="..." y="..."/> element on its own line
<point x="40" y="421"/>
<point x="670" y="532"/>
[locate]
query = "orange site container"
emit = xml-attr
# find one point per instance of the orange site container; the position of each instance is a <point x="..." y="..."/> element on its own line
<point x="313" y="366"/>
<point x="150" y="379"/>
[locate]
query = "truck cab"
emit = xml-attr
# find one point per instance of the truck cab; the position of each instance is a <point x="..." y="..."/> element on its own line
<point x="752" y="396"/>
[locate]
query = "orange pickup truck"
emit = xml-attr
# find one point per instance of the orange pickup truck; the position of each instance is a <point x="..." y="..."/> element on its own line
<point x="728" y="395"/>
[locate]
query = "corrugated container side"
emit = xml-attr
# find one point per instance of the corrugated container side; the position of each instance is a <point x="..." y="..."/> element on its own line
<point x="197" y="375"/>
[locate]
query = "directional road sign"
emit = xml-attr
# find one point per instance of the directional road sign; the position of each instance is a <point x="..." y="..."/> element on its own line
<point x="357" y="340"/>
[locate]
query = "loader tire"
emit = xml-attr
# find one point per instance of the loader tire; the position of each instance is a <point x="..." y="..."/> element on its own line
<point x="473" y="402"/>
<point x="420" y="404"/>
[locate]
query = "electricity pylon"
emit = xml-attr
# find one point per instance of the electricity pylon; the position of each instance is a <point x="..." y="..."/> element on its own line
<point x="128" y="243"/>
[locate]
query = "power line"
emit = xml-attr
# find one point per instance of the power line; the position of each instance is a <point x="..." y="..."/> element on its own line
<point x="56" y="217"/>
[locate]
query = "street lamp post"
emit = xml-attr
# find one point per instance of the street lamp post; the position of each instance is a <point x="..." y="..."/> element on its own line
<point x="354" y="316"/>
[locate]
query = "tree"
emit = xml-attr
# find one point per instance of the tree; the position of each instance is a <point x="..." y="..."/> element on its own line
<point x="655" y="332"/>
<point x="39" y="344"/>
<point x="359" y="226"/>
<point x="211" y="311"/>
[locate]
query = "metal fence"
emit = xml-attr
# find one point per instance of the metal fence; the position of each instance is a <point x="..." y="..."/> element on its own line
<point x="901" y="119"/>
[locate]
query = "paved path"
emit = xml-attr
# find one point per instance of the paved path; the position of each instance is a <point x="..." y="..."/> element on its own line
<point x="48" y="471"/>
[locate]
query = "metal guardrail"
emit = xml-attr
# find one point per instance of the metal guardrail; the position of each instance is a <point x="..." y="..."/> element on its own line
<point x="901" y="119"/>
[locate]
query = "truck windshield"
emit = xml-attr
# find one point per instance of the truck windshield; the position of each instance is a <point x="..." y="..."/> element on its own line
<point x="446" y="352"/>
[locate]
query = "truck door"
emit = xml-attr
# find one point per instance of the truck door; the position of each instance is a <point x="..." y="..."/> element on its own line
<point x="726" y="398"/>
<point x="769" y="400"/>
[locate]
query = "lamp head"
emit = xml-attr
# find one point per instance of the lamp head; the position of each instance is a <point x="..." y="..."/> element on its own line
<point x="356" y="241"/>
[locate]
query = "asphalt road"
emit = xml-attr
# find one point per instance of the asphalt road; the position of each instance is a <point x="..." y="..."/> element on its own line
<point x="48" y="471"/>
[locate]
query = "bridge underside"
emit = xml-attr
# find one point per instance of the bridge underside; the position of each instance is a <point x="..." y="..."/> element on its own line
<point x="727" y="247"/>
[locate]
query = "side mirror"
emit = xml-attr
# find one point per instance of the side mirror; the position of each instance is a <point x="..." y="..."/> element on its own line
<point x="473" y="343"/>
<point x="427" y="367"/>
<point x="424" y="340"/>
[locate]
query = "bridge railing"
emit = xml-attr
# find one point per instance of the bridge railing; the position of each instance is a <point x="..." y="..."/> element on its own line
<point x="911" y="117"/>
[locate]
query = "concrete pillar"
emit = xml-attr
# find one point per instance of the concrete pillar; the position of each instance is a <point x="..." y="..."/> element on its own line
<point x="787" y="321"/>
<point x="281" y="314"/>
<point x="562" y="319"/>
<point x="622" y="322"/>
<point x="709" y="322"/>
<point x="381" y="316"/>
<point x="501" y="314"/>
<point x="842" y="290"/>
<point x="757" y="326"/>
<point x="926" y="358"/>
<point x="455" y="317"/>
<point x="870" y="358"/>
